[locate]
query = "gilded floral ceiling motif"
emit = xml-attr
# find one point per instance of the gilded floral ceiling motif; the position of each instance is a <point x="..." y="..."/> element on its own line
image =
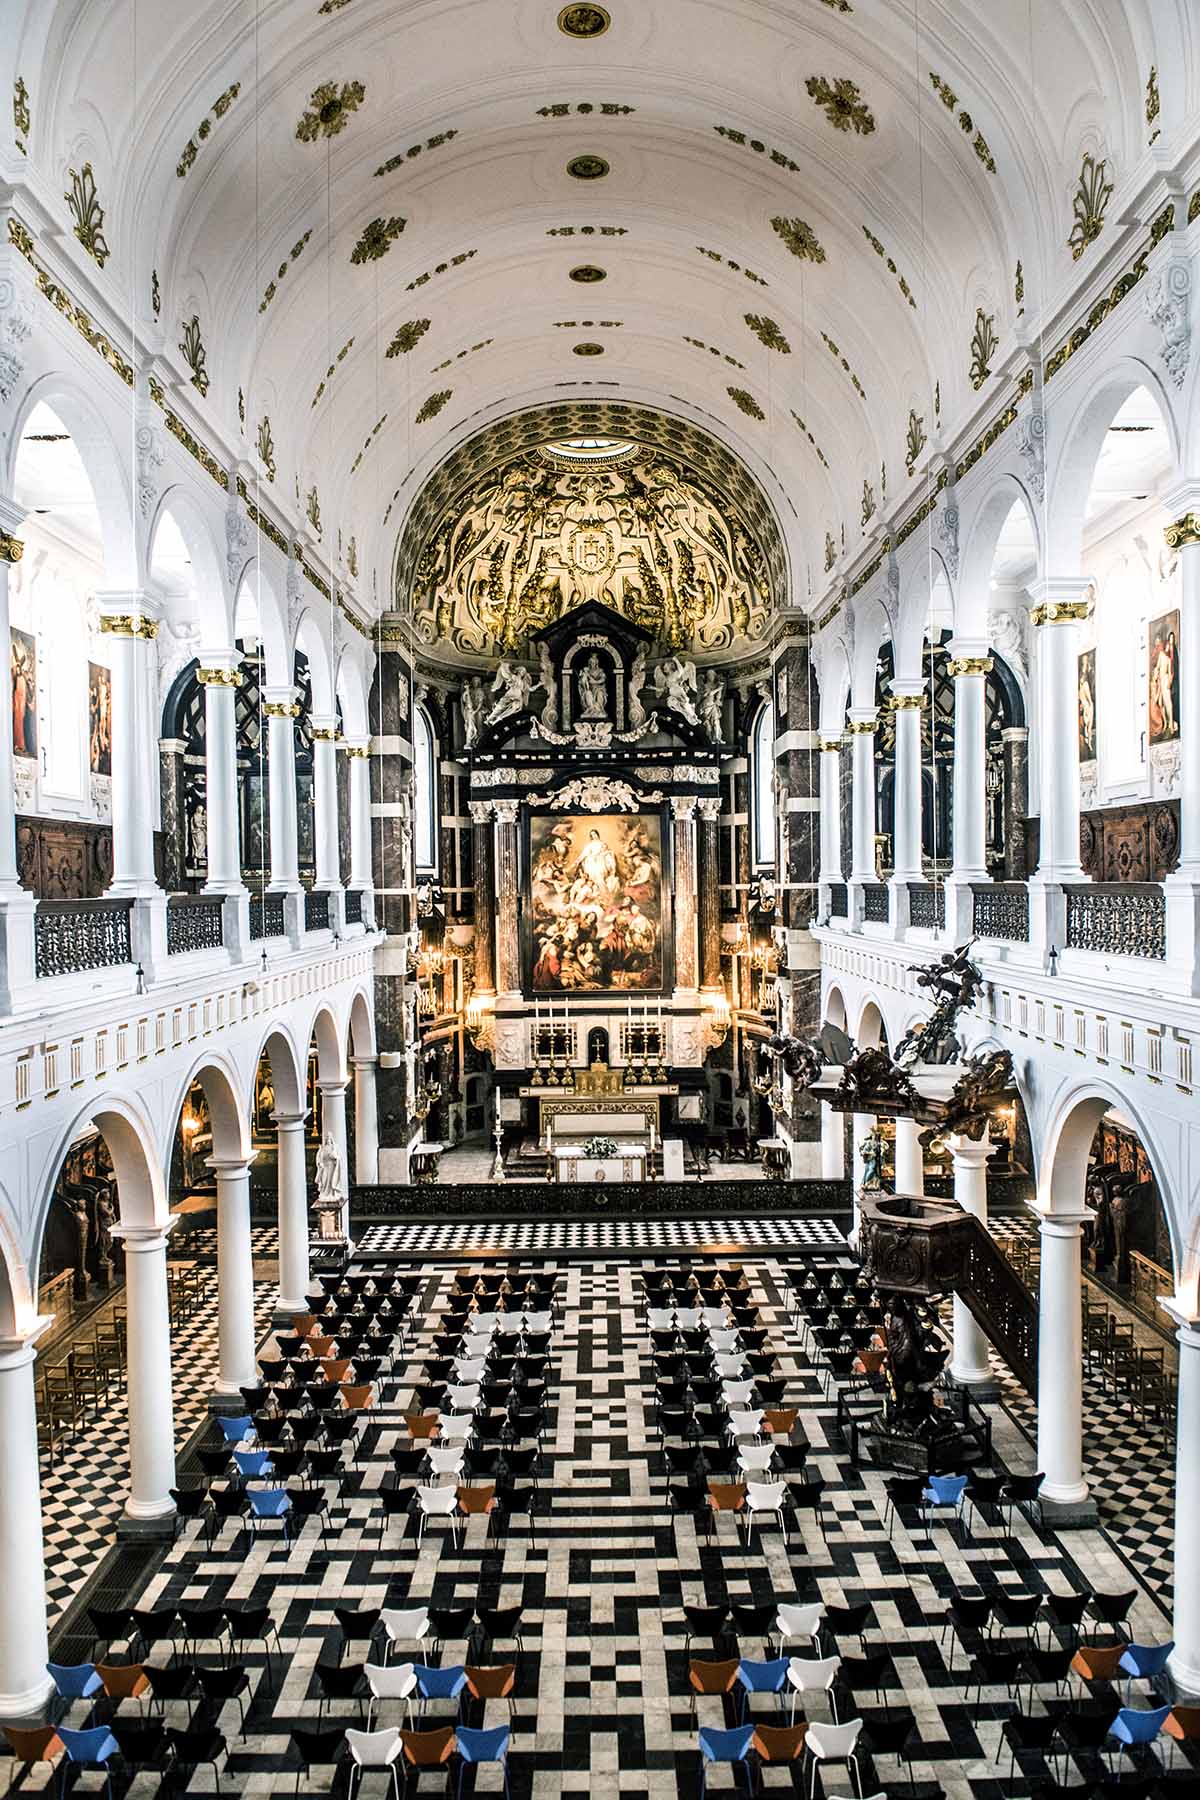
<point x="542" y="535"/>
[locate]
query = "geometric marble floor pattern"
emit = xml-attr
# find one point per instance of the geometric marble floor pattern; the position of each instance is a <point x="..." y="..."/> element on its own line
<point x="602" y="1698"/>
<point x="600" y="1235"/>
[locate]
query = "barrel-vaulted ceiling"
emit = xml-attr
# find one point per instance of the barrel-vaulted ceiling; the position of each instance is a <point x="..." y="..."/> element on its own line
<point x="395" y="220"/>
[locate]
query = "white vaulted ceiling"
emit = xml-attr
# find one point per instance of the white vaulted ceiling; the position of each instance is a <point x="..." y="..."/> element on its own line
<point x="465" y="98"/>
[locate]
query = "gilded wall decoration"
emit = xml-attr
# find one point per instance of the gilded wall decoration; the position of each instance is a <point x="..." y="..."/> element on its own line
<point x="377" y="238"/>
<point x="328" y="111"/>
<point x="745" y="402"/>
<point x="588" y="231"/>
<point x="541" y="536"/>
<point x="835" y="351"/>
<point x="869" y="506"/>
<point x="331" y="6"/>
<point x="1089" y="203"/>
<point x="842" y="104"/>
<point x="272" y="287"/>
<point x="699" y="344"/>
<point x="155" y="294"/>
<point x="584" y="21"/>
<point x="831" y="553"/>
<point x="241" y="406"/>
<point x="733" y="136"/>
<point x="1019" y="287"/>
<point x="842" y="6"/>
<point x="429" y="409"/>
<point x="22" y="118"/>
<point x="371" y="436"/>
<point x="984" y="345"/>
<point x="191" y="347"/>
<point x="87" y="212"/>
<point x="728" y="263"/>
<point x="266" y="447"/>
<point x="413" y="151"/>
<point x="352" y="557"/>
<point x="800" y="239"/>
<point x="459" y="354"/>
<point x="203" y="131"/>
<point x="587" y="272"/>
<point x="455" y="262"/>
<point x="915" y="441"/>
<point x="880" y="251"/>
<point x="589" y="324"/>
<point x="587" y="349"/>
<point x="312" y="511"/>
<point x="801" y="426"/>
<point x="588" y="168"/>
<point x="949" y="100"/>
<point x="407" y="337"/>
<point x="1153" y="104"/>
<point x="768" y="333"/>
<point x="564" y="109"/>
<point x="341" y="356"/>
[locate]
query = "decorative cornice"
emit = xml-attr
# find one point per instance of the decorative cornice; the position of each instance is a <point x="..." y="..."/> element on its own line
<point x="11" y="548"/>
<point x="1181" y="535"/>
<point x="280" y="709"/>
<point x="1060" y="612"/>
<point x="231" y="678"/>
<point x="128" y="625"/>
<point x="970" y="665"/>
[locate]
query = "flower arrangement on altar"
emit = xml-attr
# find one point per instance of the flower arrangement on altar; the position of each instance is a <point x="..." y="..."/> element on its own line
<point x="600" y="1147"/>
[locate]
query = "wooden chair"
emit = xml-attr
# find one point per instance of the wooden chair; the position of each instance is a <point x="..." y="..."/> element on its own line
<point x="712" y="1678"/>
<point x="421" y="1426"/>
<point x="426" y="1749"/>
<point x="492" y="1682"/>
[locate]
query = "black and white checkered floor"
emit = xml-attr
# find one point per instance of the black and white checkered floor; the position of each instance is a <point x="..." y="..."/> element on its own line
<point x="602" y="1698"/>
<point x="604" y="1236"/>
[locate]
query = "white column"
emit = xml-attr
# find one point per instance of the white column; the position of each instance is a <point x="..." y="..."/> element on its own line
<point x="861" y="1126"/>
<point x="17" y="904"/>
<point x="292" y="1203"/>
<point x="1185" y="1659"/>
<point x="831" y="810"/>
<point x="127" y="621"/>
<point x="969" y="1363"/>
<point x="970" y="668"/>
<point x="325" y="804"/>
<point x="237" y="1367"/>
<point x="862" y="737"/>
<point x="366" y="1122"/>
<point x="359" y="751"/>
<point x="910" y="1158"/>
<point x="1182" y="887"/>
<point x="1060" y="1359"/>
<point x="220" y="679"/>
<point x="833" y="1144"/>
<point x="24" y="1646"/>
<point x="151" y="1400"/>
<point x="282" y="709"/>
<point x="907" y="700"/>
<point x="1061" y="606"/>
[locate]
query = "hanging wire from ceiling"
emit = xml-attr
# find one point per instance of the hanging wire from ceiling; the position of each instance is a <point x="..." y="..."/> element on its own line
<point x="929" y="700"/>
<point x="264" y="798"/>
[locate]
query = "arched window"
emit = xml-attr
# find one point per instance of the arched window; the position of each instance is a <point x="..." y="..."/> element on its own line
<point x="424" y="794"/>
<point x="762" y="802"/>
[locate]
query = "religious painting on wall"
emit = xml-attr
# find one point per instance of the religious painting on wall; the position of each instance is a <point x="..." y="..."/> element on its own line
<point x="596" y="903"/>
<point x="264" y="1101"/>
<point x="99" y="719"/>
<point x="306" y="841"/>
<point x="1163" y="638"/>
<point x="24" y="694"/>
<point x="255" y="847"/>
<point x="1087" y="706"/>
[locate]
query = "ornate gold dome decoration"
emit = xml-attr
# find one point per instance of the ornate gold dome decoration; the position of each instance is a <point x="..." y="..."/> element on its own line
<point x="588" y="272"/>
<point x="842" y="104"/>
<point x="407" y="337"/>
<point x="699" y="344"/>
<point x="588" y="349"/>
<point x="588" y="168"/>
<point x="414" y="150"/>
<point x="768" y="333"/>
<point x="746" y="403"/>
<point x="429" y="409"/>
<point x="879" y="250"/>
<point x="584" y="21"/>
<point x="377" y="239"/>
<point x="728" y="263"/>
<point x="591" y="519"/>
<point x="328" y="110"/>
<point x="800" y="239"/>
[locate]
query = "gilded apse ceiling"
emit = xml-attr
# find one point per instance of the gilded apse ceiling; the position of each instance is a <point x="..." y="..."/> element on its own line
<point x="348" y="233"/>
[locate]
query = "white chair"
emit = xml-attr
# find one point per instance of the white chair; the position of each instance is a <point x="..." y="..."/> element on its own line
<point x="375" y="1750"/>
<point x="456" y="1425"/>
<point x="755" y="1459"/>
<point x="660" y="1318"/>
<point x="724" y="1343"/>
<point x="390" y="1683"/>
<point x="408" y="1625"/>
<point x="792" y="1621"/>
<point x="730" y="1368"/>
<point x="464" y="1398"/>
<point x="833" y="1743"/>
<point x="765" y="1496"/>
<point x="509" y="1324"/>
<point x="469" y="1369"/>
<point x="745" y="1424"/>
<point x="445" y="1461"/>
<point x="813" y="1675"/>
<point x="715" y="1318"/>
<point x="437" y="1503"/>
<point x="538" y="1321"/>
<point x="737" y="1393"/>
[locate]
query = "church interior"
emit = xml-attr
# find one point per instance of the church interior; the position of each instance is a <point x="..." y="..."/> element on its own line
<point x="600" y="938"/>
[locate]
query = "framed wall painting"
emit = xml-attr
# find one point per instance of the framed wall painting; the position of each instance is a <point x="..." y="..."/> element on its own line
<point x="596" y="906"/>
<point x="1163" y="641"/>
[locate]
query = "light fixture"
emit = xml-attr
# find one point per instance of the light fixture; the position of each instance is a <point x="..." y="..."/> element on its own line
<point x="480" y="1022"/>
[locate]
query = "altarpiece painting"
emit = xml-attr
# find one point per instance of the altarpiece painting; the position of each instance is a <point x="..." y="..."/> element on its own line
<point x="596" y="903"/>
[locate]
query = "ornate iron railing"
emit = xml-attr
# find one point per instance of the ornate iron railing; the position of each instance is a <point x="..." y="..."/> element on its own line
<point x="193" y="923"/>
<point x="1001" y="911"/>
<point x="354" y="906"/>
<point x="1118" y="920"/>
<point x="839" y="901"/>
<point x="926" y="906"/>
<point x="73" y="935"/>
<point x="267" y="916"/>
<point x="877" y="904"/>
<point x="316" y="912"/>
<point x="617" y="1199"/>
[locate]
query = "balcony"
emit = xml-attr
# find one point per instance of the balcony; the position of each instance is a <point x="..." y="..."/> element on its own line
<point x="926" y="906"/>
<point x="1000" y="910"/>
<point x="354" y="906"/>
<point x="194" y="922"/>
<point x="877" y="904"/>
<point x="267" y="916"/>
<point x="316" y="911"/>
<point x="72" y="936"/>
<point x="1112" y="920"/>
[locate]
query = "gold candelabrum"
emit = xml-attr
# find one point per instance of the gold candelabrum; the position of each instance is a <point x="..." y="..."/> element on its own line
<point x="425" y="1099"/>
<point x="480" y="1021"/>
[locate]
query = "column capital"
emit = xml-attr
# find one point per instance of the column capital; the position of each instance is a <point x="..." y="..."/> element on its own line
<point x="231" y="1165"/>
<point x="862" y="721"/>
<point x="709" y="808"/>
<point x="145" y="1238"/>
<point x="129" y="612"/>
<point x="961" y="667"/>
<point x="1183" y="533"/>
<point x="1178" y="502"/>
<point x="364" y="1062"/>
<point x="281" y="700"/>
<point x="683" y="806"/>
<point x="830" y="746"/>
<point x="11" y="548"/>
<point x="482" y="811"/>
<point x="12" y="517"/>
<point x="20" y="1347"/>
<point x="356" y="746"/>
<point x="906" y="692"/>
<point x="333" y="1086"/>
<point x="1061" y="599"/>
<point x="507" y="811"/>
<point x="324" y="727"/>
<point x="289" y="1121"/>
<point x="1061" y="1224"/>
<point x="972" y="1153"/>
<point x="215" y="675"/>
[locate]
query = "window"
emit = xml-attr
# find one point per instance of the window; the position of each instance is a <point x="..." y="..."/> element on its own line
<point x="762" y="773"/>
<point x="424" y="794"/>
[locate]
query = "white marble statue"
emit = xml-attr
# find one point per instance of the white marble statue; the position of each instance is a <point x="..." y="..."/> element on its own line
<point x="593" y="689"/>
<point x="331" y="1189"/>
<point x="712" y="704"/>
<point x="637" y="682"/>
<point x="472" y="701"/>
<point x="548" y="682"/>
<point x="512" y="685"/>
<point x="675" y="682"/>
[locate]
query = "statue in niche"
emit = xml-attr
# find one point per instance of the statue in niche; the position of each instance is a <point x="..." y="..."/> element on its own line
<point x="329" y="1171"/>
<point x="105" y="1220"/>
<point x="199" y="835"/>
<point x="76" y="1204"/>
<point x="548" y="682"/>
<point x="712" y="704"/>
<point x="637" y="683"/>
<point x="675" y="683"/>
<point x="593" y="689"/>
<point x="512" y="686"/>
<point x="473" y="701"/>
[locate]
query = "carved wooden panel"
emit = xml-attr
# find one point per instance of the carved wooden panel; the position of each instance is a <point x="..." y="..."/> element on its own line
<point x="1121" y="843"/>
<point x="63" y="859"/>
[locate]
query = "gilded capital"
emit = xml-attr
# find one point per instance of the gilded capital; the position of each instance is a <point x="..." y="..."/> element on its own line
<point x="1060" y="612"/>
<point x="230" y="678"/>
<point x="11" y="548"/>
<point x="324" y="734"/>
<point x="970" y="665"/>
<point x="128" y="625"/>
<point x="834" y="744"/>
<point x="1183" y="533"/>
<point x="281" y="709"/>
<point x="357" y="750"/>
<point x="862" y="727"/>
<point x="912" y="702"/>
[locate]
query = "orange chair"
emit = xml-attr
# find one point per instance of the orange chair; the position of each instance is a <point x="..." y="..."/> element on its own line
<point x="780" y="1743"/>
<point x="426" y="1749"/>
<point x="1183" y="1724"/>
<point x="32" y="1744"/>
<point x="358" y="1399"/>
<point x="712" y="1678"/>
<point x="726" y="1496"/>
<point x="494" y="1681"/>
<point x="780" y="1422"/>
<point x="322" y="1346"/>
<point x="335" y="1369"/>
<point x="1098" y="1662"/>
<point x="472" y="1500"/>
<point x="304" y="1324"/>
<point x="123" y="1681"/>
<point x="422" y="1425"/>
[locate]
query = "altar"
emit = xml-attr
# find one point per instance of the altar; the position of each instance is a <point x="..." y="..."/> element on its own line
<point x="570" y="1162"/>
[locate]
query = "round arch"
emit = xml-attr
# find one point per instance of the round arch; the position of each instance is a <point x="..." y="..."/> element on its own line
<point x="872" y="1030"/>
<point x="835" y="1007"/>
<point x="361" y="1026"/>
<point x="1083" y="441"/>
<point x="278" y="653"/>
<point x="229" y="1118"/>
<point x="311" y="642"/>
<point x="287" y="1071"/>
<point x="205" y="603"/>
<point x="18" y="1294"/>
<point x="331" y="1059"/>
<point x="102" y="463"/>
<point x="979" y="554"/>
<point x="1067" y="1142"/>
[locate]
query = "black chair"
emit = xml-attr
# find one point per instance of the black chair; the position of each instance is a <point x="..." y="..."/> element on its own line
<point x="200" y="1624"/>
<point x="754" y="1621"/>
<point x="807" y="1496"/>
<point x="984" y="1492"/>
<point x="222" y="1685"/>
<point x="864" y="1674"/>
<point x="1017" y="1612"/>
<point x="704" y="1622"/>
<point x="1046" y="1666"/>
<point x="1023" y="1490"/>
<point x="309" y="1503"/>
<point x="1111" y="1609"/>
<point x="190" y="1748"/>
<point x="518" y="1465"/>
<point x="190" y="1503"/>
<point x="270" y="1428"/>
<point x="177" y="1682"/>
<point x="968" y="1612"/>
<point x="448" y="1624"/>
<point x="790" y="1459"/>
<point x="325" y="1464"/>
<point x="339" y="1681"/>
<point x="287" y="1462"/>
<point x="847" y="1621"/>
<point x="995" y="1668"/>
<point x="215" y="1460"/>
<point x="227" y="1503"/>
<point x="154" y="1624"/>
<point x="1025" y="1733"/>
<point x="109" y="1623"/>
<point x="1066" y="1611"/>
<point x="394" y="1503"/>
<point x="890" y="1733"/>
<point x="357" y="1622"/>
<point x="499" y="1625"/>
<point x="251" y="1622"/>
<point x="903" y="1492"/>
<point x="510" y="1503"/>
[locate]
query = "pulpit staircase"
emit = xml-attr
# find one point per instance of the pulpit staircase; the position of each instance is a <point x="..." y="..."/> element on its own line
<point x="934" y="1248"/>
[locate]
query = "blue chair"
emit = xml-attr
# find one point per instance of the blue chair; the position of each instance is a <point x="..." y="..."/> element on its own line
<point x="761" y="1678"/>
<point x="1134" y="1726"/>
<point x="483" y="1747"/>
<point x="439" y="1684"/>
<point x="90" y="1749"/>
<point x="75" y="1681"/>
<point x="235" y="1430"/>
<point x="1144" y="1661"/>
<point x="271" y="1503"/>
<point x="253" y="1465"/>
<point x="726" y="1747"/>
<point x="942" y="1491"/>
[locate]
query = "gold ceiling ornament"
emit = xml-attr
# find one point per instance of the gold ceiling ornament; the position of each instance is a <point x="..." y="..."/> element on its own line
<point x="459" y="354"/>
<point x="414" y="150"/>
<point x="699" y="344"/>
<point x="272" y="287"/>
<point x="331" y="6"/>
<point x="22" y="119"/>
<point x="374" y="432"/>
<point x="220" y="107"/>
<point x="830" y="551"/>
<point x="589" y="324"/>
<point x="454" y="262"/>
<point x="312" y="511"/>
<point x="328" y="110"/>
<point x="728" y="263"/>
<point x="1060" y="612"/>
<point x="949" y="100"/>
<point x="408" y="337"/>
<point x="1019" y="287"/>
<point x="842" y="6"/>
<point x="266" y="447"/>
<point x="869" y="504"/>
<point x="746" y="403"/>
<point x="984" y="345"/>
<point x="1184" y="533"/>
<point x="916" y="439"/>
<point x="880" y="251"/>
<point x="563" y="109"/>
<point x="768" y="333"/>
<point x="11" y="548"/>
<point x="588" y="231"/>
<point x="155" y="294"/>
<point x="128" y="625"/>
<point x="429" y="409"/>
<point x="1153" y="104"/>
<point x="937" y="399"/>
<point x="1089" y="204"/>
<point x="835" y="351"/>
<point x="341" y="356"/>
<point x="1116" y="296"/>
<point x="800" y="239"/>
<point x="970" y="665"/>
<point x="241" y="406"/>
<point x="87" y="213"/>
<point x="588" y="272"/>
<point x="587" y="349"/>
<point x="539" y="537"/>
<point x="756" y="144"/>
<point x="801" y="426"/>
<point x="230" y="678"/>
<point x="842" y="104"/>
<point x="377" y="239"/>
<point x="191" y="348"/>
<point x="584" y="21"/>
<point x="352" y="556"/>
<point x="588" y="168"/>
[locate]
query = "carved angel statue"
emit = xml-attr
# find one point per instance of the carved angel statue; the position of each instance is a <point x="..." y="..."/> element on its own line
<point x="593" y="689"/>
<point x="637" y="683"/>
<point x="512" y="686"/>
<point x="548" y="682"/>
<point x="330" y="1186"/>
<point x="675" y="682"/>
<point x="472" y="701"/>
<point x="712" y="704"/>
